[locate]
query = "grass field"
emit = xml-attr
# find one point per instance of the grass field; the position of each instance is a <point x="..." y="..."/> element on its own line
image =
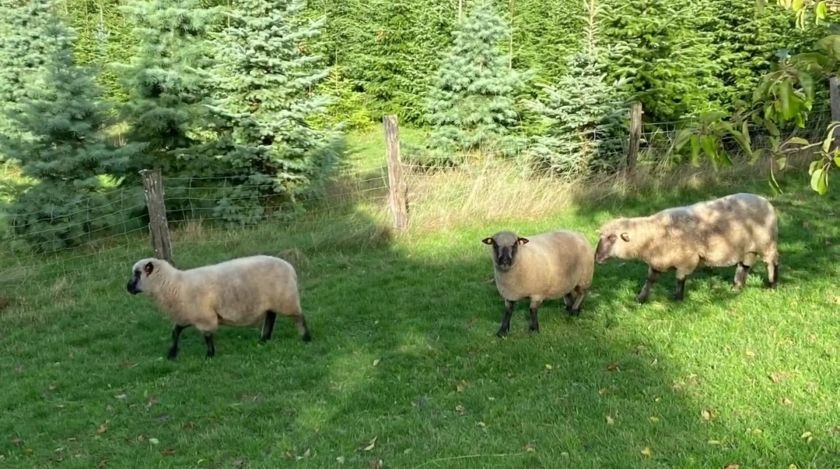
<point x="405" y="371"/>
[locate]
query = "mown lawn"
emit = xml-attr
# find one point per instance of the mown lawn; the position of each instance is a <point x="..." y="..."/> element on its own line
<point x="405" y="369"/>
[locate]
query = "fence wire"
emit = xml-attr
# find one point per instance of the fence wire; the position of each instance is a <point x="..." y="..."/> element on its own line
<point x="196" y="217"/>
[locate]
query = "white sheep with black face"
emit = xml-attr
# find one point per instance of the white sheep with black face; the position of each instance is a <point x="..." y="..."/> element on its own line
<point x="545" y="266"/>
<point x="735" y="229"/>
<point x="239" y="292"/>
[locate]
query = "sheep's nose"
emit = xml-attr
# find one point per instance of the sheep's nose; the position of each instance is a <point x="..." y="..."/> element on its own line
<point x="130" y="287"/>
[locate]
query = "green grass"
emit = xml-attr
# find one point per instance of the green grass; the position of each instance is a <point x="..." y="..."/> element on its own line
<point x="404" y="353"/>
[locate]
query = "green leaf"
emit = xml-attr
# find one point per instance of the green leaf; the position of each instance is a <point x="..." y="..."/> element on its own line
<point x="781" y="162"/>
<point x="821" y="11"/>
<point x="774" y="184"/>
<point x="819" y="181"/>
<point x="828" y="139"/>
<point x="837" y="161"/>
<point x="797" y="141"/>
<point x="695" y="149"/>
<point x="797" y="4"/>
<point x="813" y="166"/>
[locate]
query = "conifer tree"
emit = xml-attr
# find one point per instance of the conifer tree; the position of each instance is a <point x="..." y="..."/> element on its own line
<point x="28" y="42"/>
<point x="662" y="47"/>
<point x="471" y="105"/>
<point x="165" y="81"/>
<point x="264" y="106"/>
<point x="580" y="112"/>
<point x="60" y="145"/>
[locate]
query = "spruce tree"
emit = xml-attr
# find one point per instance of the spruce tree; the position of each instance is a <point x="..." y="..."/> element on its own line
<point x="580" y="112"/>
<point x="165" y="81"/>
<point x="664" y="50"/>
<point x="264" y="107"/>
<point x="61" y="146"/>
<point x="471" y="105"/>
<point x="28" y="41"/>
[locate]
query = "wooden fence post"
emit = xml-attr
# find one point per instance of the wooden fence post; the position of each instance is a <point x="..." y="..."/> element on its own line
<point x="396" y="186"/>
<point x="635" y="136"/>
<point x="158" y="226"/>
<point x="834" y="95"/>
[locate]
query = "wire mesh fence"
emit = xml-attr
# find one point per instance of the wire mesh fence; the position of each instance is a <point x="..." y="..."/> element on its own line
<point x="354" y="200"/>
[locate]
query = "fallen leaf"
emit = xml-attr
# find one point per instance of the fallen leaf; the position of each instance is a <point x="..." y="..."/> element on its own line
<point x="714" y="442"/>
<point x="375" y="463"/>
<point x="707" y="414"/>
<point x="787" y="401"/>
<point x="805" y="435"/>
<point x="778" y="376"/>
<point x="340" y="459"/>
<point x="565" y="454"/>
<point x="548" y="367"/>
<point x="168" y="452"/>
<point x="482" y="424"/>
<point x="102" y="429"/>
<point x="530" y="448"/>
<point x="376" y="362"/>
<point x="732" y="466"/>
<point x="461" y="386"/>
<point x="602" y="391"/>
<point x="371" y="445"/>
<point x="239" y="463"/>
<point x="653" y="419"/>
<point x="307" y="453"/>
<point x="613" y="367"/>
<point x="750" y="353"/>
<point x="792" y="466"/>
<point x="154" y="441"/>
<point x="647" y="452"/>
<point x="610" y="420"/>
<point x="17" y="441"/>
<point x="120" y="396"/>
<point x="460" y="409"/>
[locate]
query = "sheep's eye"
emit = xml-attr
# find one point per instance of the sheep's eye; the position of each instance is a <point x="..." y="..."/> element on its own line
<point x="611" y="237"/>
<point x="148" y="268"/>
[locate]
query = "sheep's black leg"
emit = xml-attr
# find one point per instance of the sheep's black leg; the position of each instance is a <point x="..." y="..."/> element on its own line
<point x="569" y="300"/>
<point x="741" y="275"/>
<point x="534" y="324"/>
<point x="575" y="309"/>
<point x="653" y="274"/>
<point x="211" y="347"/>
<point x="176" y="334"/>
<point x="302" y="328"/>
<point x="679" y="294"/>
<point x="268" y="326"/>
<point x="505" y="327"/>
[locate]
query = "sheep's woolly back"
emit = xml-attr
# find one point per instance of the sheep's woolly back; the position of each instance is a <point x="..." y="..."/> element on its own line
<point x="718" y="232"/>
<point x="237" y="292"/>
<point x="549" y="266"/>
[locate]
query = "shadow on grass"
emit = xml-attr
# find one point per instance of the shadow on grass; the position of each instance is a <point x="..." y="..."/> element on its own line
<point x="404" y="367"/>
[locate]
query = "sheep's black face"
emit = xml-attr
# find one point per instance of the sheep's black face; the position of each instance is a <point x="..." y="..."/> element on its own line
<point x="505" y="246"/>
<point x="133" y="283"/>
<point x="141" y="269"/>
<point x="608" y="246"/>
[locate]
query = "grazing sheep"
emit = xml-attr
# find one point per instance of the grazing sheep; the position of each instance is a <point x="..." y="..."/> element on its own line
<point x="717" y="233"/>
<point x="239" y="292"/>
<point x="545" y="266"/>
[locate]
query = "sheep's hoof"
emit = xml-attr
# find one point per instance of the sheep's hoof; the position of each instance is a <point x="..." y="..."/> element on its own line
<point x="306" y="337"/>
<point x="678" y="297"/>
<point x="534" y="329"/>
<point x="641" y="299"/>
<point x="173" y="353"/>
<point x="574" y="312"/>
<point x="502" y="333"/>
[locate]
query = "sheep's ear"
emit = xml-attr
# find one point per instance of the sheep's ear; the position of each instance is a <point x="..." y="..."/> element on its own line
<point x="148" y="268"/>
<point x="487" y="241"/>
<point x="625" y="237"/>
<point x="521" y="241"/>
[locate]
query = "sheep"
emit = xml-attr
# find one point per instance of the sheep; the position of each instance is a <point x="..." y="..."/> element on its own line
<point x="545" y="266"/>
<point x="239" y="292"/>
<point x="718" y="233"/>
